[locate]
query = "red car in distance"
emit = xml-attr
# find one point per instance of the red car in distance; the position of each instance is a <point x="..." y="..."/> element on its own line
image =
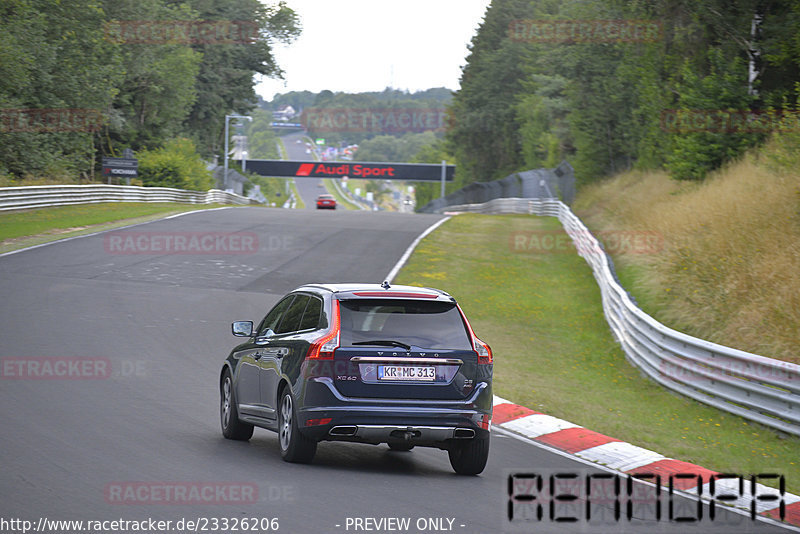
<point x="326" y="202"/>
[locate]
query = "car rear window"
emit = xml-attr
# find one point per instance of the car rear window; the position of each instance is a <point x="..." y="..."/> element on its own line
<point x="427" y="325"/>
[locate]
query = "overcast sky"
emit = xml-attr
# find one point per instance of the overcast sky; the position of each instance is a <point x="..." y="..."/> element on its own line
<point x="368" y="45"/>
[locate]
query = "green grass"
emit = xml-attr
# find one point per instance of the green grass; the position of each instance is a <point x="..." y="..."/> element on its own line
<point x="541" y="314"/>
<point x="19" y="229"/>
<point x="282" y="149"/>
<point x="632" y="277"/>
<point x="346" y="203"/>
<point x="299" y="204"/>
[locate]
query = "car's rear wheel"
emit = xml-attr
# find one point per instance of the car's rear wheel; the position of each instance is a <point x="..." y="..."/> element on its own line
<point x="470" y="458"/>
<point x="232" y="428"/>
<point x="295" y="447"/>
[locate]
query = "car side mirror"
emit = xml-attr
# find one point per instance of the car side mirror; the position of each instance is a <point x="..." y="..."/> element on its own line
<point x="242" y="328"/>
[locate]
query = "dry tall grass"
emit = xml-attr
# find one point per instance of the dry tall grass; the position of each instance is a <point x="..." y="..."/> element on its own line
<point x="729" y="270"/>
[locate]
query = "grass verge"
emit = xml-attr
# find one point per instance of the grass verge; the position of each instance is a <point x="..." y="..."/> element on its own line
<point x="20" y="229"/>
<point x="299" y="204"/>
<point x="282" y="152"/>
<point x="346" y="203"/>
<point x="541" y="313"/>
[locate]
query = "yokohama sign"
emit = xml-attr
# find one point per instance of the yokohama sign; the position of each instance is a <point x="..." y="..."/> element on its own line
<point x="369" y="171"/>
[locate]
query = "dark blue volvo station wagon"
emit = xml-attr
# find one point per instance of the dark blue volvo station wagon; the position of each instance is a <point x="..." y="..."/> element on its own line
<point x="365" y="363"/>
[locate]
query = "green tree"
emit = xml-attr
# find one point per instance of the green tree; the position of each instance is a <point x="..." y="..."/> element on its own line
<point x="542" y="114"/>
<point x="381" y="104"/>
<point x="227" y="72"/>
<point x="53" y="56"/>
<point x="435" y="152"/>
<point x="707" y="143"/>
<point x="261" y="139"/>
<point x="602" y="102"/>
<point x="391" y="148"/>
<point x="176" y="164"/>
<point x="484" y="132"/>
<point x="158" y="88"/>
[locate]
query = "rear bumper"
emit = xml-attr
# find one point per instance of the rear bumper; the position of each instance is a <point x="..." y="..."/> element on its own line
<point x="432" y="436"/>
<point x="439" y="423"/>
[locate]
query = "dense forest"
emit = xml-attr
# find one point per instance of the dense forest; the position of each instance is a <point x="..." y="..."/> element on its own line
<point x="608" y="85"/>
<point x="612" y="85"/>
<point x="150" y="75"/>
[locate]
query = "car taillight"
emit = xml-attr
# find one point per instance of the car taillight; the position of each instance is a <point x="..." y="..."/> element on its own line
<point x="318" y="422"/>
<point x="322" y="348"/>
<point x="486" y="422"/>
<point x="483" y="350"/>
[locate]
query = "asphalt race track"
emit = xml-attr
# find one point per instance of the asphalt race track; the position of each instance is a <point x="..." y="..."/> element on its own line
<point x="148" y="330"/>
<point x="308" y="188"/>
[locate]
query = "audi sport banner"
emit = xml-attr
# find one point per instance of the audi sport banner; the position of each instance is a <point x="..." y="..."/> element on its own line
<point x="421" y="172"/>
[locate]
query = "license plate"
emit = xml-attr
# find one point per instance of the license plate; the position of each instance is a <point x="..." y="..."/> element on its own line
<point x="407" y="372"/>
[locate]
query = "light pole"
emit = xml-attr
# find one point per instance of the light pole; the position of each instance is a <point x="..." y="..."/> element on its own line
<point x="227" y="118"/>
<point x="444" y="175"/>
<point x="244" y="160"/>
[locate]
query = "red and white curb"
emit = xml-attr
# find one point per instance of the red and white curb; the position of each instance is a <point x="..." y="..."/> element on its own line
<point x="630" y="459"/>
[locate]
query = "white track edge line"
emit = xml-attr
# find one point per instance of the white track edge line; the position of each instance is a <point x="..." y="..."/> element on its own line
<point x="10" y="252"/>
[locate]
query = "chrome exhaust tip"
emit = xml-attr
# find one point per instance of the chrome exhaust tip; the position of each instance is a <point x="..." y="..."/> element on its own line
<point x="344" y="430"/>
<point x="463" y="433"/>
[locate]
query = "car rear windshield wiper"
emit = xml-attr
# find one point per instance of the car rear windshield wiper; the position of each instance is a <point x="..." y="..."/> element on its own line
<point x="384" y="343"/>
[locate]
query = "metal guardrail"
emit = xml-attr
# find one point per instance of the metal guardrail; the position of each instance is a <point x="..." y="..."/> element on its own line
<point x="41" y="196"/>
<point x="755" y="387"/>
<point x="347" y="195"/>
<point x="537" y="183"/>
<point x="531" y="206"/>
<point x="291" y="202"/>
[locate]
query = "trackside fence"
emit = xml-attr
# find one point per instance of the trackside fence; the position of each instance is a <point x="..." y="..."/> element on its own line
<point x="537" y="183"/>
<point x="755" y="387"/>
<point x="41" y="196"/>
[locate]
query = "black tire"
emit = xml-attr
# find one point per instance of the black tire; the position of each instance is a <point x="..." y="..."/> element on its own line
<point x="232" y="428"/>
<point x="295" y="447"/>
<point x="470" y="458"/>
<point x="400" y="447"/>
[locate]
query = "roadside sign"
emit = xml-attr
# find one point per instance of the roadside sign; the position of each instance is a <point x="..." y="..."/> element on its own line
<point x="121" y="167"/>
<point x="422" y="172"/>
